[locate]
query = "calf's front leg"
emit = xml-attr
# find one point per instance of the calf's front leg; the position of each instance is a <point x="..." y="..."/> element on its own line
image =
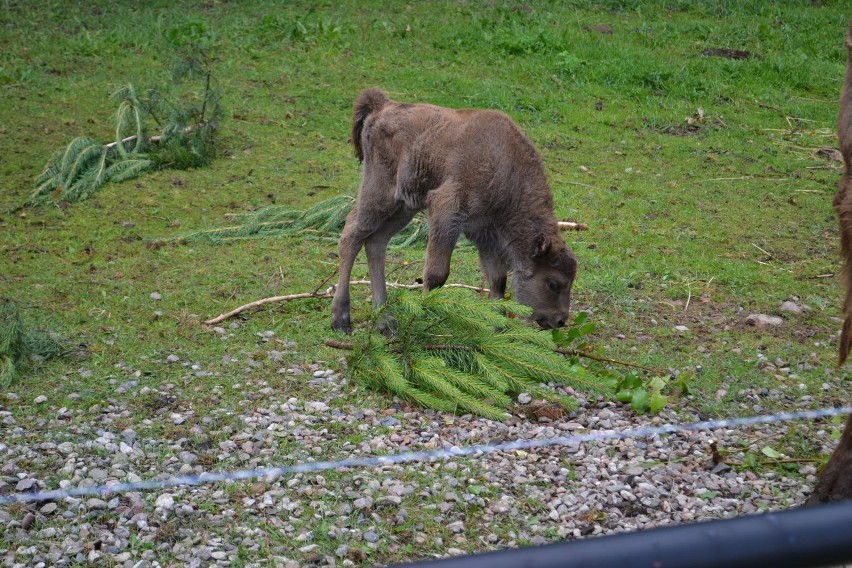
<point x="495" y="271"/>
<point x="444" y="230"/>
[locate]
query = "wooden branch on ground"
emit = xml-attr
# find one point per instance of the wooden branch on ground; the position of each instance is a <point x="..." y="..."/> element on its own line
<point x="572" y="226"/>
<point x="347" y="346"/>
<point x="150" y="138"/>
<point x="328" y="293"/>
<point x="418" y="286"/>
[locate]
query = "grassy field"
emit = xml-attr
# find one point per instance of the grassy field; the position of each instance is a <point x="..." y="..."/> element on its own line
<point x="700" y="177"/>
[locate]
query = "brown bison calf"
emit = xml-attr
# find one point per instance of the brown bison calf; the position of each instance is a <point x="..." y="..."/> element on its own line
<point x="835" y="482"/>
<point x="476" y="174"/>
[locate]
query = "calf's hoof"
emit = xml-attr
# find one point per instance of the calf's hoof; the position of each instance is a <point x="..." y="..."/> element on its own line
<point x="342" y="324"/>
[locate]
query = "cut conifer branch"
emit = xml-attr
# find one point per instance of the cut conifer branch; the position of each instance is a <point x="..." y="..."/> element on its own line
<point x="186" y="140"/>
<point x="323" y="220"/>
<point x="456" y="353"/>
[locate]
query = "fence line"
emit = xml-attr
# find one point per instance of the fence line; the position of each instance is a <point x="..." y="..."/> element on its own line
<point x="272" y="473"/>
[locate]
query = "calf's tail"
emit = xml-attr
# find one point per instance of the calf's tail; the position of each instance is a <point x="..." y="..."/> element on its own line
<point x="366" y="104"/>
<point x="843" y="199"/>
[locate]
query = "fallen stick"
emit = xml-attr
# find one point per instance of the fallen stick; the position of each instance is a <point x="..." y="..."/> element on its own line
<point x="327" y="293"/>
<point x="572" y="226"/>
<point x="418" y="286"/>
<point x="563" y="225"/>
<point x="572" y="352"/>
<point x="348" y="346"/>
<point x="157" y="138"/>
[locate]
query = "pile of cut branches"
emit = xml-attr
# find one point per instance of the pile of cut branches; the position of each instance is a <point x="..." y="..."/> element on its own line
<point x="186" y="139"/>
<point x="454" y="352"/>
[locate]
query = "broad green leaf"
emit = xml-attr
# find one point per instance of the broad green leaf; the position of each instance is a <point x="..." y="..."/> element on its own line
<point x="624" y="396"/>
<point x="770" y="453"/>
<point x="657" y="402"/>
<point x="632" y="381"/>
<point x="657" y="384"/>
<point x="641" y="400"/>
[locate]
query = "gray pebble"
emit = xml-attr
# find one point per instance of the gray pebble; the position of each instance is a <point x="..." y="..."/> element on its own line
<point x="25" y="484"/>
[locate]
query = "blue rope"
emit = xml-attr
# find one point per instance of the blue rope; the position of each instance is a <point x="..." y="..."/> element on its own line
<point x="378" y="461"/>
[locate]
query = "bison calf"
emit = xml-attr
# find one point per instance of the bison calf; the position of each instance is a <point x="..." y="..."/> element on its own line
<point x="476" y="174"/>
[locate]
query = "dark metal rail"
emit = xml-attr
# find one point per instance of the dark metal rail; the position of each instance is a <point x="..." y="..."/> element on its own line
<point x="798" y="538"/>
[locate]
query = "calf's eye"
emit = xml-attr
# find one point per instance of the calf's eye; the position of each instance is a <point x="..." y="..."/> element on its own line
<point x="552" y="286"/>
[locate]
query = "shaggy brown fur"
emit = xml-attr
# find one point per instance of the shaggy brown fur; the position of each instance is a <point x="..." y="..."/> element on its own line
<point x="835" y="482"/>
<point x="476" y="174"/>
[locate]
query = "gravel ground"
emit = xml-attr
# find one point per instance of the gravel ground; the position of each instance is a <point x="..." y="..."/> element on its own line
<point x="356" y="517"/>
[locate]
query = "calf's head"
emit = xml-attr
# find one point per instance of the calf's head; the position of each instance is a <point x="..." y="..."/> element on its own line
<point x="546" y="286"/>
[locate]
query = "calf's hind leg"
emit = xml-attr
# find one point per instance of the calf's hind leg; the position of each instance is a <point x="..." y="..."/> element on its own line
<point x="376" y="248"/>
<point x="351" y="240"/>
<point x="373" y="234"/>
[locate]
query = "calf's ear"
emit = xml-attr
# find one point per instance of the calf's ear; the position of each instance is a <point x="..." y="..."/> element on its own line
<point x="541" y="245"/>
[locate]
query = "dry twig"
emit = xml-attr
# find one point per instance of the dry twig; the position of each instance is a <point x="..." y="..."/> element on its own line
<point x="572" y="352"/>
<point x="327" y="293"/>
<point x="572" y="226"/>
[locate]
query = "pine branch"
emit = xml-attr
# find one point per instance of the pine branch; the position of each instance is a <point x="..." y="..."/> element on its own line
<point x="84" y="165"/>
<point x="424" y="372"/>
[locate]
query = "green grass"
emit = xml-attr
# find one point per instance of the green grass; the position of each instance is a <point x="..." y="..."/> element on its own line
<point x="694" y="225"/>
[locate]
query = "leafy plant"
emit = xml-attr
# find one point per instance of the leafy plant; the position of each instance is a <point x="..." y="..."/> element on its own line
<point x="629" y="388"/>
<point x="641" y="395"/>
<point x="454" y="352"/>
<point x="573" y="337"/>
